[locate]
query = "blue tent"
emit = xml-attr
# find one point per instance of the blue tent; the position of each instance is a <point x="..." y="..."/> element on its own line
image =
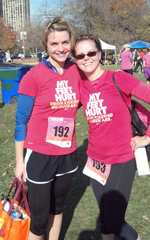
<point x="139" y="44"/>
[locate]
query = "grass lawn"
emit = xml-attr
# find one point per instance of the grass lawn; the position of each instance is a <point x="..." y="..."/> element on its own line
<point x="80" y="211"/>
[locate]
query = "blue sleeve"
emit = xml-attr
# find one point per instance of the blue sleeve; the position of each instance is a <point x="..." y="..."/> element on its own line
<point x="23" y="113"/>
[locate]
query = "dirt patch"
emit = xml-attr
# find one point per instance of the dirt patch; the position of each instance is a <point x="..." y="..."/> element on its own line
<point x="26" y="60"/>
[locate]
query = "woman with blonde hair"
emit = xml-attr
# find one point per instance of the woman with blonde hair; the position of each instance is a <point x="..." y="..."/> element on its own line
<point x="46" y="146"/>
<point x="126" y="59"/>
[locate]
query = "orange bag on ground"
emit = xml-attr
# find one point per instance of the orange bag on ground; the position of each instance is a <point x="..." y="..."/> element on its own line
<point x="14" y="228"/>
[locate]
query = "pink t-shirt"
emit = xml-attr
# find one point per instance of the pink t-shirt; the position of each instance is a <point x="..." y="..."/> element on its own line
<point x="125" y="60"/>
<point x="108" y="117"/>
<point x="55" y="96"/>
<point x="146" y="58"/>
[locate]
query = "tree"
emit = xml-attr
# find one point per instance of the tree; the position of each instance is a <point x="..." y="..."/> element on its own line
<point x="113" y="21"/>
<point x="43" y="14"/>
<point x="7" y="37"/>
<point x="128" y="17"/>
<point x="146" y="34"/>
<point x="34" y="38"/>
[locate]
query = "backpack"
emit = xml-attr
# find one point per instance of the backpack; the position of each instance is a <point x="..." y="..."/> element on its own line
<point x="140" y="117"/>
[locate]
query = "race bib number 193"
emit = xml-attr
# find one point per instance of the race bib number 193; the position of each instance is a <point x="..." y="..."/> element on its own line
<point x="60" y="131"/>
<point x="97" y="170"/>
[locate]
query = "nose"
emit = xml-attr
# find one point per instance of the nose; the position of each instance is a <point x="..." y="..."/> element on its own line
<point x="86" y="57"/>
<point x="60" y="47"/>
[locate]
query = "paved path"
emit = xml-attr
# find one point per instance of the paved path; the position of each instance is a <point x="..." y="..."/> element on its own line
<point x="30" y="63"/>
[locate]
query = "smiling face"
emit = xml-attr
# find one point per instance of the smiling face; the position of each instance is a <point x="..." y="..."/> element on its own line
<point x="58" y="47"/>
<point x="89" y="63"/>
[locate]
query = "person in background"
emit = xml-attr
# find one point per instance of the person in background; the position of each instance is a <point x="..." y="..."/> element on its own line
<point x="8" y="56"/>
<point x="114" y="58"/>
<point x="110" y="151"/>
<point x="39" y="56"/>
<point x="126" y="59"/>
<point x="139" y="62"/>
<point x="12" y="56"/>
<point x="141" y="55"/>
<point x="146" y="63"/>
<point x="1" y="57"/>
<point x="46" y="146"/>
<point x="44" y="54"/>
<point x="135" y="56"/>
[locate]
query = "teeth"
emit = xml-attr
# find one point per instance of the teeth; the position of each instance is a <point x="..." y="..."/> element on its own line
<point x="87" y="64"/>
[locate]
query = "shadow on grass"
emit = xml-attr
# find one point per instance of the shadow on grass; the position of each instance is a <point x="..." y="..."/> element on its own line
<point x="2" y="105"/>
<point x="77" y="189"/>
<point x="91" y="234"/>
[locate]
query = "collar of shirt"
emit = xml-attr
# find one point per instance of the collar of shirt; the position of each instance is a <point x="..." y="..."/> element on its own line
<point x="49" y="65"/>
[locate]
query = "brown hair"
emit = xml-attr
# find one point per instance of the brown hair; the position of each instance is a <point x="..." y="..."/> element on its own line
<point x="58" y="24"/>
<point x="148" y="49"/>
<point x="87" y="37"/>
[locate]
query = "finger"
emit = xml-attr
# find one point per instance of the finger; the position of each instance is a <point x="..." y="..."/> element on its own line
<point x="133" y="147"/>
<point x="18" y="177"/>
<point x="24" y="177"/>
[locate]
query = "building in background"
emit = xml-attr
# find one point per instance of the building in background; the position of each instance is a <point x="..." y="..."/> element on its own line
<point x="16" y="13"/>
<point x="1" y="10"/>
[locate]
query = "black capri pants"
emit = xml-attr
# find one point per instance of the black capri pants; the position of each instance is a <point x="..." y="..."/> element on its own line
<point x="46" y="199"/>
<point x="48" y="180"/>
<point x="113" y="200"/>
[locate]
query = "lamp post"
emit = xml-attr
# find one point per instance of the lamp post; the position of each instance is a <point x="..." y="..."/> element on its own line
<point x="23" y="36"/>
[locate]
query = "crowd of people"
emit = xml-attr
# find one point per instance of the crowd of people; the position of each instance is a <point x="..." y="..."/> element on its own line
<point x="45" y="140"/>
<point x="8" y="56"/>
<point x="134" y="59"/>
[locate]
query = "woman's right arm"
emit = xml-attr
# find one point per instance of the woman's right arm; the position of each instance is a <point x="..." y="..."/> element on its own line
<point x="23" y="113"/>
<point x="20" y="167"/>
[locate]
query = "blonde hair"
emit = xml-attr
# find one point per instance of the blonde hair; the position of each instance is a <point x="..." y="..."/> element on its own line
<point x="58" y="24"/>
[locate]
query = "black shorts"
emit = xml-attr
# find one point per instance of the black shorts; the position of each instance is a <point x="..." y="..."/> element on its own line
<point x="148" y="79"/>
<point x="129" y="71"/>
<point x="42" y="168"/>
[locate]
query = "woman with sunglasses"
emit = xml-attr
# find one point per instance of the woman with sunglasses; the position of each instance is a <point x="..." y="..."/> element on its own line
<point x="111" y="146"/>
<point x="46" y="147"/>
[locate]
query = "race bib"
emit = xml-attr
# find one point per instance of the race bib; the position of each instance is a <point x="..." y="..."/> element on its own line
<point x="60" y="131"/>
<point x="97" y="170"/>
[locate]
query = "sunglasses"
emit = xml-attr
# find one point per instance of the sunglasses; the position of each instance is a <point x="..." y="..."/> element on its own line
<point x="89" y="54"/>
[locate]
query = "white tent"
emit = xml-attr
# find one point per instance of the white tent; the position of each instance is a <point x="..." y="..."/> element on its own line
<point x="106" y="46"/>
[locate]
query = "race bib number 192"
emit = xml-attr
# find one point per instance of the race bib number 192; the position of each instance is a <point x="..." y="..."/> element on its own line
<point x="97" y="170"/>
<point x="60" y="131"/>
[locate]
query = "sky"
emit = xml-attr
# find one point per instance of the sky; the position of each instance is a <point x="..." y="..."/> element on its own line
<point x="34" y="4"/>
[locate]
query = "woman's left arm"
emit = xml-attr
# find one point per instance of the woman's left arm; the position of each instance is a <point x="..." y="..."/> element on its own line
<point x="142" y="92"/>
